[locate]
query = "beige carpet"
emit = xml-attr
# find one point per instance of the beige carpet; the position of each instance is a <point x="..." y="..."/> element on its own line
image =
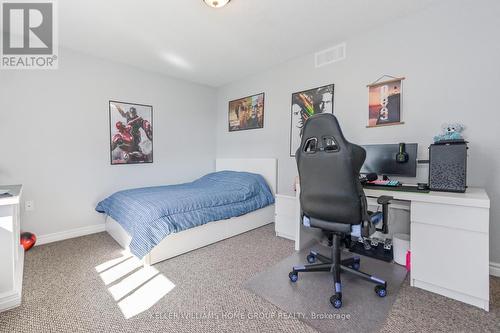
<point x="63" y="292"/>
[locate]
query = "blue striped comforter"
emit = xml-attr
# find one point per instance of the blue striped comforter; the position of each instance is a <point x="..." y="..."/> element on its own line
<point x="150" y="214"/>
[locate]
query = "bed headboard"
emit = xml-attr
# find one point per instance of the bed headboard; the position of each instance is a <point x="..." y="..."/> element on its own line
<point x="267" y="167"/>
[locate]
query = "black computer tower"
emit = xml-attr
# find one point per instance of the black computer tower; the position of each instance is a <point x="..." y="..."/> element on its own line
<point x="448" y="166"/>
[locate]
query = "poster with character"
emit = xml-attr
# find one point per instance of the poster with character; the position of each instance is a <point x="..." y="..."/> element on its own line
<point x="131" y="133"/>
<point x="304" y="105"/>
<point x="246" y="113"/>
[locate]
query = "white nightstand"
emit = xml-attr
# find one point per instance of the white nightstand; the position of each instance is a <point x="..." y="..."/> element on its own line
<point x="286" y="211"/>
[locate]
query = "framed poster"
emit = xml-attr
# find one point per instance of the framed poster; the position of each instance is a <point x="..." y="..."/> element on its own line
<point x="130" y="133"/>
<point x="246" y="113"/>
<point x="305" y="104"/>
<point x="384" y="107"/>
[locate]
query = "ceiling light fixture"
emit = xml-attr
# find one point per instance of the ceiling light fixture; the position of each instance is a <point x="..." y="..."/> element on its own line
<point x="216" y="3"/>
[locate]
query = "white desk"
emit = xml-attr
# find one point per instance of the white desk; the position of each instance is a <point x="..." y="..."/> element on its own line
<point x="449" y="234"/>
<point x="11" y="252"/>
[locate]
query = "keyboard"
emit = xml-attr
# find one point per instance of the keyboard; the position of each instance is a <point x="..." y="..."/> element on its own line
<point x="400" y="187"/>
<point x="385" y="183"/>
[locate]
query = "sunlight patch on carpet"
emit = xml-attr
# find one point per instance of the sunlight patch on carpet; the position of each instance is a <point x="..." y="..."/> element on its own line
<point x="135" y="286"/>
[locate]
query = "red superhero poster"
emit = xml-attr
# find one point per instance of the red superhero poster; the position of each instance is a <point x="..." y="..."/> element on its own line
<point x="131" y="133"/>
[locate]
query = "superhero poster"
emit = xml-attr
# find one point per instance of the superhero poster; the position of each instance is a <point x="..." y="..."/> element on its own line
<point x="304" y="105"/>
<point x="131" y="133"/>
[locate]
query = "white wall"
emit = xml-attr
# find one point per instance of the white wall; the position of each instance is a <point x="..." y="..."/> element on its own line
<point x="450" y="55"/>
<point x="54" y="136"/>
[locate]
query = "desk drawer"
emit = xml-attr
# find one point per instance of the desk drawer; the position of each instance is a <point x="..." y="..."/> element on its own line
<point x="453" y="259"/>
<point x="451" y="216"/>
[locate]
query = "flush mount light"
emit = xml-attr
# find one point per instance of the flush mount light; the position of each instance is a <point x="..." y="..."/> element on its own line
<point x="216" y="3"/>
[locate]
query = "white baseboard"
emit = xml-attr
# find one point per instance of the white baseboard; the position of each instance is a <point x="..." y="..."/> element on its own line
<point x="494" y="269"/>
<point x="72" y="233"/>
<point x="10" y="300"/>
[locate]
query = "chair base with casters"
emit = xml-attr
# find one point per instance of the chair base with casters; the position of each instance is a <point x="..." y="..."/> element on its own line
<point x="336" y="266"/>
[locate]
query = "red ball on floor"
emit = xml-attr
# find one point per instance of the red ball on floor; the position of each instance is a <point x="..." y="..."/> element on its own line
<point x="27" y="240"/>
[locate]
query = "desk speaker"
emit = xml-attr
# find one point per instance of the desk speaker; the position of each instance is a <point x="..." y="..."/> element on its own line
<point x="448" y="166"/>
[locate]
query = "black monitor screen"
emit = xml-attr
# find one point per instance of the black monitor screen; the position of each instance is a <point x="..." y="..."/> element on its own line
<point x="381" y="159"/>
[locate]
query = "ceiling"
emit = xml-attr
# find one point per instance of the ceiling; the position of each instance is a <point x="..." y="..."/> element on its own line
<point x="191" y="41"/>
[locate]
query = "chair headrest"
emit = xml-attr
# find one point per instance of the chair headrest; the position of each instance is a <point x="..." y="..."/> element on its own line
<point x="322" y="132"/>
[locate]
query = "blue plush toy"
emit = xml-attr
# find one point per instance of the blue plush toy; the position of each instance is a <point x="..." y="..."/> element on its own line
<point x="451" y="131"/>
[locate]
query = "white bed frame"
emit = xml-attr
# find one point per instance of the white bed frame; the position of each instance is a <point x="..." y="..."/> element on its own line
<point x="194" y="238"/>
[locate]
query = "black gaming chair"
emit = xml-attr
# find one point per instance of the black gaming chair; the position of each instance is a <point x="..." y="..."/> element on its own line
<point x="332" y="198"/>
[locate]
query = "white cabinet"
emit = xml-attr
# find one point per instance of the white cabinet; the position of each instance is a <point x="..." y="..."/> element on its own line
<point x="11" y="252"/>
<point x="450" y="251"/>
<point x="286" y="216"/>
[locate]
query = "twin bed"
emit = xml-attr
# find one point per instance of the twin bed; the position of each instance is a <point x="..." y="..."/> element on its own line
<point x="159" y="223"/>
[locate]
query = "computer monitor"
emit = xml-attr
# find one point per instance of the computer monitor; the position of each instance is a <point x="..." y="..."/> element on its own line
<point x="381" y="159"/>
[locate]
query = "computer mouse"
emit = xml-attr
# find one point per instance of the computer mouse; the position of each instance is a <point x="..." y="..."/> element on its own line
<point x="422" y="186"/>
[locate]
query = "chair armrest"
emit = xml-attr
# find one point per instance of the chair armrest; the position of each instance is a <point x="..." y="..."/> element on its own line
<point x="384" y="199"/>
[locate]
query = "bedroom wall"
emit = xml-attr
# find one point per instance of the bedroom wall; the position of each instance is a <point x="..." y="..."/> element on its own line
<point x="54" y="134"/>
<point x="449" y="55"/>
